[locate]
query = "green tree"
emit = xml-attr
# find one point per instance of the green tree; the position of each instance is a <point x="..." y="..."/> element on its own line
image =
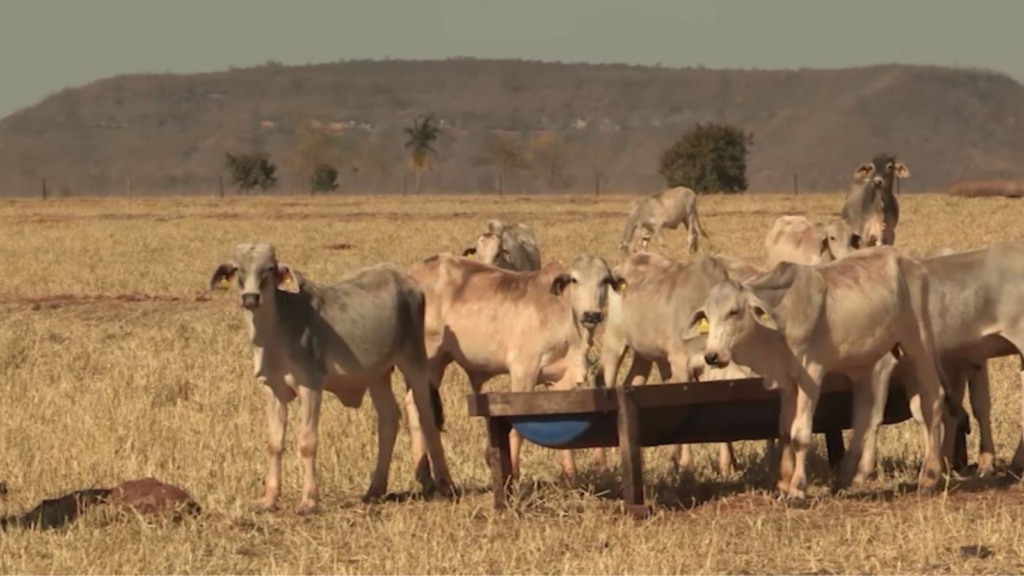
<point x="708" y="158"/>
<point x="251" y="170"/>
<point x="420" y="144"/>
<point x="324" y="179"/>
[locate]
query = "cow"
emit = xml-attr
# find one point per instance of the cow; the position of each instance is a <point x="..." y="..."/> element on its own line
<point x="508" y="247"/>
<point x="346" y="338"/>
<point x="536" y="326"/>
<point x="872" y="208"/>
<point x="976" y="312"/>
<point x="666" y="209"/>
<point x="650" y="315"/>
<point x="795" y="239"/>
<point x="795" y="323"/>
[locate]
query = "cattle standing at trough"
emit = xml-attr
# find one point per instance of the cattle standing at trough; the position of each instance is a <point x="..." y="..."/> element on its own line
<point x="535" y="326"/>
<point x="795" y="239"/>
<point x="976" y="308"/>
<point x="651" y="314"/>
<point x="507" y="247"/>
<point x="871" y="208"/>
<point x="796" y="323"/>
<point x="345" y="338"/>
<point x="666" y="209"/>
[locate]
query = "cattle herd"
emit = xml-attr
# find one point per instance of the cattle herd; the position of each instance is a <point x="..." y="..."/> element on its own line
<point x="836" y="297"/>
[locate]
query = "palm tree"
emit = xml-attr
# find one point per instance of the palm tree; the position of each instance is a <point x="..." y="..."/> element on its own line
<point x="421" y="134"/>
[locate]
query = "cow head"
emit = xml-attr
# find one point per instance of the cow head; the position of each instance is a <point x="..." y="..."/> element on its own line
<point x="881" y="172"/>
<point x="731" y="317"/>
<point x="588" y="280"/>
<point x="488" y="248"/>
<point x="839" y="240"/>
<point x="257" y="274"/>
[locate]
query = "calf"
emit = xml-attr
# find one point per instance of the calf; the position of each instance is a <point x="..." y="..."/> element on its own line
<point x="666" y="209"/>
<point x="535" y="326"/>
<point x="872" y="208"/>
<point x="795" y="239"/>
<point x="651" y="316"/>
<point x="976" y="308"/>
<point x="345" y="338"/>
<point x="507" y="247"/>
<point x="795" y="323"/>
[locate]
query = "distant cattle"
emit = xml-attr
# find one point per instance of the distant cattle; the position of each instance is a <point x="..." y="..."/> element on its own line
<point x="535" y="326"/>
<point x="796" y="323"/>
<point x="650" y="316"/>
<point x="510" y="247"/>
<point x="345" y="338"/>
<point x="795" y="239"/>
<point x="872" y="208"/>
<point x="666" y="209"/>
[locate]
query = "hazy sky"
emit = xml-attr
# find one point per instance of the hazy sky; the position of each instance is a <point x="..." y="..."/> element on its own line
<point x="46" y="45"/>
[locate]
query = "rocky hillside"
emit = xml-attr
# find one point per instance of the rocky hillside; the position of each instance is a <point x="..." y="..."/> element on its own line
<point x="540" y="126"/>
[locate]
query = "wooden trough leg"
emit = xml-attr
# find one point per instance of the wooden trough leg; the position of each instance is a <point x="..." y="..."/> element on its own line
<point x="836" y="449"/>
<point x="500" y="458"/>
<point x="629" y="449"/>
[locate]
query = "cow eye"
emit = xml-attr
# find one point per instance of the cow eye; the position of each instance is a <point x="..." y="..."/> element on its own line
<point x="732" y="313"/>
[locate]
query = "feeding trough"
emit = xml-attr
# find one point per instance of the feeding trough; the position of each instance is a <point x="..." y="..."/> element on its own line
<point x="632" y="417"/>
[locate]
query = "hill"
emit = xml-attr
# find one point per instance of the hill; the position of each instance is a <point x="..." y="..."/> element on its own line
<point x="532" y="126"/>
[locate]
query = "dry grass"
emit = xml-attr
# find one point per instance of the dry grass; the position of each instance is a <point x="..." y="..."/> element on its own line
<point x="988" y="188"/>
<point x="144" y="374"/>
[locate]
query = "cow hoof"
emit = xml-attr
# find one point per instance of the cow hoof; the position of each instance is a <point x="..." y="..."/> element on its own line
<point x="985" y="466"/>
<point x="444" y="489"/>
<point x="798" y="502"/>
<point x="373" y="495"/>
<point x="307" y="508"/>
<point x="264" y="506"/>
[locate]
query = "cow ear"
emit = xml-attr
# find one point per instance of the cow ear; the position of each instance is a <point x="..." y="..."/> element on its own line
<point x="698" y="324"/>
<point x="469" y="252"/>
<point x="559" y="283"/>
<point x="761" y="315"/>
<point x="222" y="276"/>
<point x="855" y="241"/>
<point x="901" y="170"/>
<point x="618" y="284"/>
<point x="864" y="171"/>
<point x="287" y="281"/>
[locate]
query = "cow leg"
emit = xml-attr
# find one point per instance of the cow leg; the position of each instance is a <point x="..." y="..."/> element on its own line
<point x="435" y="372"/>
<point x="421" y="408"/>
<point x="787" y="413"/>
<point x="277" y="397"/>
<point x="879" y="382"/>
<point x="956" y="374"/>
<point x="309" y="409"/>
<point x="981" y="406"/>
<point x="691" y="236"/>
<point x="524" y="377"/>
<point x="389" y="417"/>
<point x="1017" y="465"/>
<point x="807" y="392"/>
<point x="613" y="348"/>
<point x="866" y="393"/>
<point x="930" y="392"/>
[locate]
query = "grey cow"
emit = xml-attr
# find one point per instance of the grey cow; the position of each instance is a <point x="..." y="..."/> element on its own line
<point x="345" y="338"/>
<point x="666" y="209"/>
<point x="509" y="247"/>
<point x="871" y="208"/>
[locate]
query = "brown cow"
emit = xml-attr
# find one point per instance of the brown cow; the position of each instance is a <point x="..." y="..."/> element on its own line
<point x="795" y="239"/>
<point x="796" y="323"/>
<point x="535" y="326"/>
<point x="666" y="209"/>
<point x="346" y="338"/>
<point x="651" y="317"/>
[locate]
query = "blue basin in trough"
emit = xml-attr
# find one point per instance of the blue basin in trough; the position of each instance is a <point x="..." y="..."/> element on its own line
<point x="565" y="430"/>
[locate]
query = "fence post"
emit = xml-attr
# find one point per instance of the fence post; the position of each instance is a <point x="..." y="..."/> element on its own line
<point x="220" y="181"/>
<point x="44" y="188"/>
<point x="796" y="184"/>
<point x="128" y="187"/>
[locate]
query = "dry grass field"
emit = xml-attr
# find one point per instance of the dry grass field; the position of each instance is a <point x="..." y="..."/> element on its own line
<point x="117" y="364"/>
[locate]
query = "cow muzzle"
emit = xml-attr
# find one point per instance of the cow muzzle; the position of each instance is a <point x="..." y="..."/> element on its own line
<point x="592" y="319"/>
<point x="713" y="359"/>
<point x="250" y="301"/>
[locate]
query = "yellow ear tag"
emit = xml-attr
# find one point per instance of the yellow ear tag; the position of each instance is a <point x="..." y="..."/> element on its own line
<point x="703" y="327"/>
<point x="224" y="283"/>
<point x="287" y="280"/>
<point x="622" y="287"/>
